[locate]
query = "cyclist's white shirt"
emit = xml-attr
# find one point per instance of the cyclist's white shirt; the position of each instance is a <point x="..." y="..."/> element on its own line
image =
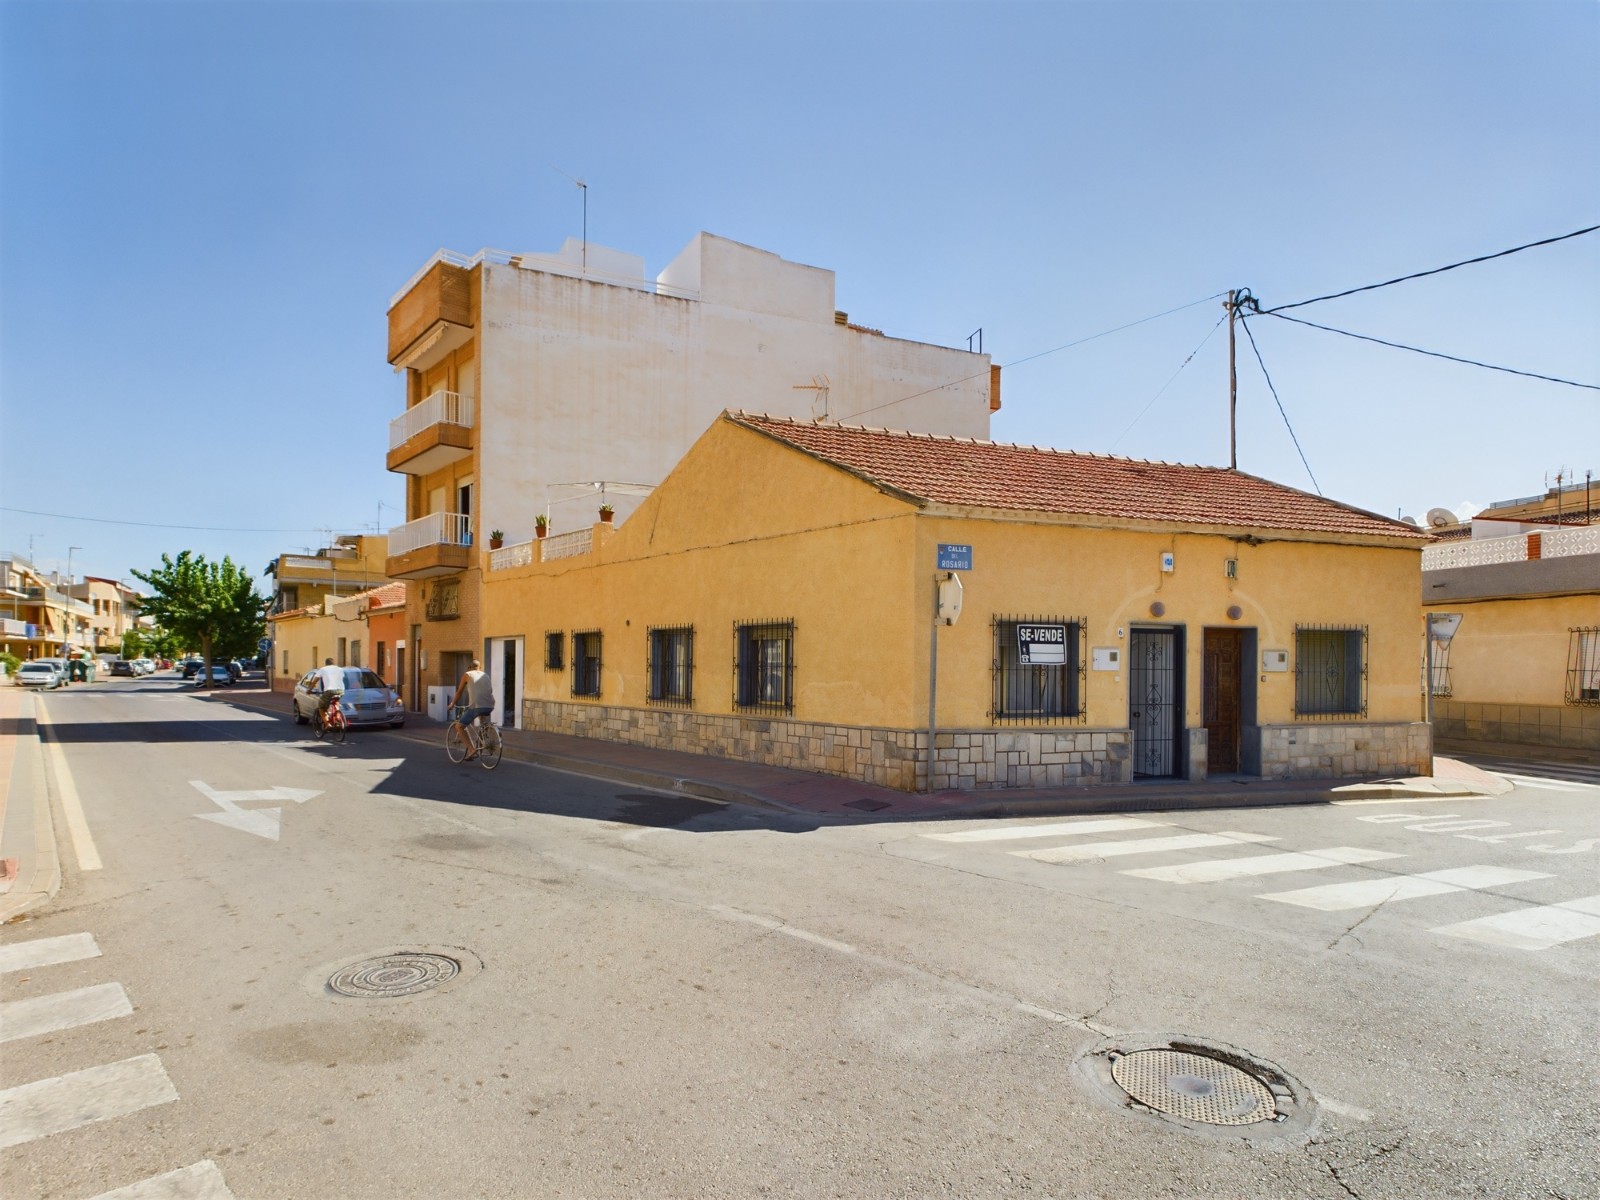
<point x="332" y="678"/>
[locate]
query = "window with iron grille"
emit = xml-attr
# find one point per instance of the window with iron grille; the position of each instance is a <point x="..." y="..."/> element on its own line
<point x="554" y="659"/>
<point x="586" y="663"/>
<point x="670" y="666"/>
<point x="1039" y="669"/>
<point x="1330" y="670"/>
<point x="1583" y="665"/>
<point x="763" y="666"/>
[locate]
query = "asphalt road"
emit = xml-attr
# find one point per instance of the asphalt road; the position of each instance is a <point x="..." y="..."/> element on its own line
<point x="667" y="997"/>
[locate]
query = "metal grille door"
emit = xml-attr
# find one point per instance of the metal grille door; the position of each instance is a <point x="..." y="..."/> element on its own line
<point x="1153" y="699"/>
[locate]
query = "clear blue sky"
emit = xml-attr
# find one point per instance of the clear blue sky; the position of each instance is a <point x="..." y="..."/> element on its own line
<point x="204" y="208"/>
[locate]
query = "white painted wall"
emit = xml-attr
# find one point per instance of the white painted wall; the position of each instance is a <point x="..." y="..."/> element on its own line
<point x="585" y="380"/>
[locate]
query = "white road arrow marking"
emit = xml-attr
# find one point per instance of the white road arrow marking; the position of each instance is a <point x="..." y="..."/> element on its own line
<point x="263" y="822"/>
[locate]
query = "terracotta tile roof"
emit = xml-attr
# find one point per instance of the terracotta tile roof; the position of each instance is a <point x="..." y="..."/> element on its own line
<point x="387" y="596"/>
<point x="965" y="471"/>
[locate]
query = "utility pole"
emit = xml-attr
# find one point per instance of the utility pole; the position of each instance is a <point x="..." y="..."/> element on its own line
<point x="1233" y="387"/>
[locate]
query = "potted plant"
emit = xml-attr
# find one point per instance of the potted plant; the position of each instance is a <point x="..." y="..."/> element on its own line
<point x="606" y="513"/>
<point x="497" y="538"/>
<point x="541" y="525"/>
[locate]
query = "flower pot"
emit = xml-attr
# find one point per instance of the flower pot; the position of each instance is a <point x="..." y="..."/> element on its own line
<point x="496" y="543"/>
<point x="541" y="530"/>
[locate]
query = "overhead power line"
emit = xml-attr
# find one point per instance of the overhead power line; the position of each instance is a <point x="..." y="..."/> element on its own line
<point x="1471" y="362"/>
<point x="158" y="525"/>
<point x="1169" y="381"/>
<point x="1436" y="271"/>
<point x="1279" y="403"/>
<point x="1030" y="358"/>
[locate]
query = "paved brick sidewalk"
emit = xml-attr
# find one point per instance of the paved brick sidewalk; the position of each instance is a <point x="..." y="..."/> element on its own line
<point x="826" y="796"/>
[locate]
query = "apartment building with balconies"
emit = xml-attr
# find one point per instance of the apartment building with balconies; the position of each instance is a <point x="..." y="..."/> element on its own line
<point x="547" y="385"/>
<point x="113" y="610"/>
<point x="354" y="564"/>
<point x="38" y="618"/>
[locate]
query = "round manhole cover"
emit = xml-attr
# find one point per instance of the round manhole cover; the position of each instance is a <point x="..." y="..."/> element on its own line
<point x="1194" y="1087"/>
<point x="392" y="975"/>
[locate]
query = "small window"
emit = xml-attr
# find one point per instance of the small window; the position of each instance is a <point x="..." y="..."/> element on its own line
<point x="1038" y="668"/>
<point x="1330" y="670"/>
<point x="671" y="666"/>
<point x="554" y="659"/>
<point x="586" y="663"/>
<point x="381" y="659"/>
<point x="764" y="666"/>
<point x="1583" y="666"/>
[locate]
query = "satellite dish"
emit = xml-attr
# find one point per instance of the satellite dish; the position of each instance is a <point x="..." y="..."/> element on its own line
<point x="1441" y="516"/>
<point x="1408" y="520"/>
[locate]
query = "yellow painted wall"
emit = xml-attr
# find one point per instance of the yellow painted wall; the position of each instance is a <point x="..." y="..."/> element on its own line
<point x="746" y="530"/>
<point x="1515" y="651"/>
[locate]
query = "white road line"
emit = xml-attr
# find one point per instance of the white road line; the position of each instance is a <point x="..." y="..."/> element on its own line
<point x="1395" y="800"/>
<point x="55" y="1105"/>
<point x="1261" y="864"/>
<point x="1369" y="893"/>
<point x="62" y="1010"/>
<point x="1094" y="850"/>
<point x="202" y="1181"/>
<point x="1059" y="829"/>
<point x="47" y="952"/>
<point x="1545" y="784"/>
<point x="72" y="809"/>
<point x="1532" y="928"/>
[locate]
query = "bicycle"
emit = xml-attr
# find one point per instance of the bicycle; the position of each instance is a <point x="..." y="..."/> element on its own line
<point x="333" y="725"/>
<point x="481" y="735"/>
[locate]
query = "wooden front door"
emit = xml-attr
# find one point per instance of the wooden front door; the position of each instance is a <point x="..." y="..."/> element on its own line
<point x="1221" y="696"/>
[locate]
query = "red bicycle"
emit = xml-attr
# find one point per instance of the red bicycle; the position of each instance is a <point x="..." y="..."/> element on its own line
<point x="330" y="722"/>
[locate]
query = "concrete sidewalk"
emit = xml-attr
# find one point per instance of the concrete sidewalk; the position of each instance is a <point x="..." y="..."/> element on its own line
<point x="826" y="796"/>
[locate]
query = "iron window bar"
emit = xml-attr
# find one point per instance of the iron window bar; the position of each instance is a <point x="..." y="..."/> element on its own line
<point x="586" y="663"/>
<point x="1440" y="683"/>
<point x="763" y="666"/>
<point x="1583" y="665"/>
<point x="669" y="665"/>
<point x="554" y="642"/>
<point x="1330" y="670"/>
<point x="1034" y="694"/>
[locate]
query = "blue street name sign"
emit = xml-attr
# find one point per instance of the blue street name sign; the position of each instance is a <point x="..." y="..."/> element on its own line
<point x="954" y="557"/>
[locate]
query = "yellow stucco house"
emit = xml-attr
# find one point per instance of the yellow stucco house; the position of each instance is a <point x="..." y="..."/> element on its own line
<point x="1521" y="672"/>
<point x="775" y="600"/>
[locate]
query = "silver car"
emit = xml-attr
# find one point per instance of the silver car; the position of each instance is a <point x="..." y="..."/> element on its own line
<point x="367" y="699"/>
<point x="41" y="673"/>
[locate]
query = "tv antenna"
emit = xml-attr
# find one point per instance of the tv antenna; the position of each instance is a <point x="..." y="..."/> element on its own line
<point x="584" y="188"/>
<point x="819" y="384"/>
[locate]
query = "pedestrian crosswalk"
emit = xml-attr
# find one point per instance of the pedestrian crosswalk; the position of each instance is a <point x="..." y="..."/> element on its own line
<point x="42" y="1108"/>
<point x="1083" y="842"/>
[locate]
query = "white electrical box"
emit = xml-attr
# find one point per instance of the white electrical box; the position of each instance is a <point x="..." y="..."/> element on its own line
<point x="1106" y="658"/>
<point x="1166" y="561"/>
<point x="1274" y="660"/>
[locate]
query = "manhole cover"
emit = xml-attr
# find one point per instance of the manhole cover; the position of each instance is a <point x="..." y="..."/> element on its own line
<point x="393" y="975"/>
<point x="867" y="805"/>
<point x="1194" y="1087"/>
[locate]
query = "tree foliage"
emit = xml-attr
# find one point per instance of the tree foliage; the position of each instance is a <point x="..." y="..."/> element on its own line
<point x="214" y="606"/>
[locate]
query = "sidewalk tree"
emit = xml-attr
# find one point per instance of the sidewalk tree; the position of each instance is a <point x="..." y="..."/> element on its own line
<point x="211" y="605"/>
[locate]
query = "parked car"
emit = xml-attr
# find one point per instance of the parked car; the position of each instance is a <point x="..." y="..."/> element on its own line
<point x="190" y="666"/>
<point x="220" y="676"/>
<point x="123" y="666"/>
<point x="41" y="673"/>
<point x="367" y="699"/>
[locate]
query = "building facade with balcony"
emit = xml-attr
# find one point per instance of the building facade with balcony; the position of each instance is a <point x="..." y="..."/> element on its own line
<point x="39" y="618"/>
<point x="1522" y="671"/>
<point x="305" y="583"/>
<point x="113" y="611"/>
<point x="546" y="385"/>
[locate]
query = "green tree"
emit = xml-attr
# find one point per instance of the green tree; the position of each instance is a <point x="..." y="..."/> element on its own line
<point x="211" y="605"/>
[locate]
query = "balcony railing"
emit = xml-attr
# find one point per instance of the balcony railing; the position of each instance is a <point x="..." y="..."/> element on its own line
<point x="435" y="529"/>
<point x="562" y="545"/>
<point x="441" y="408"/>
<point x="1517" y="547"/>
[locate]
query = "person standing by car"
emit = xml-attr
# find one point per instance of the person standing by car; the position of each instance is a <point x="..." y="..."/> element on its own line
<point x="474" y="700"/>
<point x="330" y="684"/>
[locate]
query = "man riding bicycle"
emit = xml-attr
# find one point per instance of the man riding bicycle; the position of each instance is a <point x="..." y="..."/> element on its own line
<point x="330" y="683"/>
<point x="474" y="700"/>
